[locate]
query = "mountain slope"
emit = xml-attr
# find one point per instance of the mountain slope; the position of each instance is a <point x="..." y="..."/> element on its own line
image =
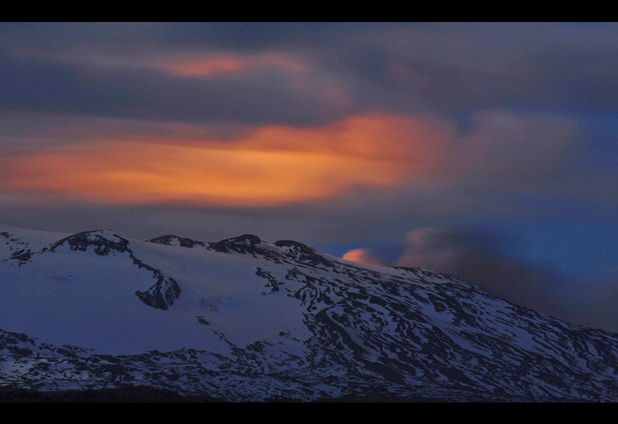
<point x="246" y="319"/>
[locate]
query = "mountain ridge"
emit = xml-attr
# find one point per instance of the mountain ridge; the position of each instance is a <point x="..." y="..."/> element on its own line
<point x="244" y="319"/>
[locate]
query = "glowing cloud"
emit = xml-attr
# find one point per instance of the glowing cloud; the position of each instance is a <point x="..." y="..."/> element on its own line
<point x="204" y="65"/>
<point x="270" y="166"/>
<point x="363" y="256"/>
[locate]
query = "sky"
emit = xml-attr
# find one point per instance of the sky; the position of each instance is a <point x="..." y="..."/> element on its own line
<point x="485" y="150"/>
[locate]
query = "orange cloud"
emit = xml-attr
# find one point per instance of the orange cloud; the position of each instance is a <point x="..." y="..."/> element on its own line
<point x="362" y="256"/>
<point x="272" y="165"/>
<point x="203" y="65"/>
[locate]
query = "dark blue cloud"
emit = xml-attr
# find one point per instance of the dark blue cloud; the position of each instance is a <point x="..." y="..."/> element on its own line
<point x="454" y="69"/>
<point x="40" y="85"/>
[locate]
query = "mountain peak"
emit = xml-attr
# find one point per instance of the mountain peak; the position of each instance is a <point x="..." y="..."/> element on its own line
<point x="173" y="240"/>
<point x="246" y="239"/>
<point x="241" y="244"/>
<point x="102" y="241"/>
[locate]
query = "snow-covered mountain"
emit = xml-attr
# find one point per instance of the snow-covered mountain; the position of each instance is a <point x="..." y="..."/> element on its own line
<point x="245" y="319"/>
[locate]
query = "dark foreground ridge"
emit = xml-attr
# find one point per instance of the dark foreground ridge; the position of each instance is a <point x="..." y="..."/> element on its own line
<point x="145" y="394"/>
<point x="132" y="394"/>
